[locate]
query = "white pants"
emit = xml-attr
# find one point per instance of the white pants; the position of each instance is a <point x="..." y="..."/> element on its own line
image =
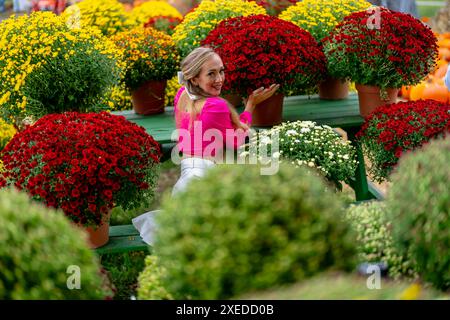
<point x="191" y="168"/>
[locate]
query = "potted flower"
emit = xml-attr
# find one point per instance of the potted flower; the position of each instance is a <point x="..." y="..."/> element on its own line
<point x="394" y="129"/>
<point x="199" y="22"/>
<point x="151" y="59"/>
<point x="260" y="50"/>
<point x="319" y="18"/>
<point x="380" y="50"/>
<point x="49" y="68"/>
<point x="95" y="161"/>
<point x="305" y="143"/>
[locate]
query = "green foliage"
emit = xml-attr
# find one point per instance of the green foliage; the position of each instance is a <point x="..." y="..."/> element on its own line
<point x="37" y="245"/>
<point x="374" y="239"/>
<point x="332" y="286"/>
<point x="124" y="269"/>
<point x="419" y="204"/>
<point x="75" y="82"/>
<point x="150" y="281"/>
<point x="236" y="230"/>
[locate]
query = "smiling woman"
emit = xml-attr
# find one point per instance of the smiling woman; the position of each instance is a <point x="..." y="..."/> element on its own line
<point x="201" y="114"/>
<point x="199" y="109"/>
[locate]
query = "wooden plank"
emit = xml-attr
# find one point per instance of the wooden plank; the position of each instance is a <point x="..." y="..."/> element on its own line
<point x="123" y="244"/>
<point x="123" y="230"/>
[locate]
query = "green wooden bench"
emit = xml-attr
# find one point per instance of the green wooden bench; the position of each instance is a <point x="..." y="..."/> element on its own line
<point x="342" y="114"/>
<point x="124" y="238"/>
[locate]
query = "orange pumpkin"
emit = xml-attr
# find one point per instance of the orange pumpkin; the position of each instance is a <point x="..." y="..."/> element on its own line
<point x="436" y="92"/>
<point x="406" y="92"/>
<point x="441" y="70"/>
<point x="444" y="53"/>
<point x="435" y="89"/>
<point x="444" y="43"/>
<point x="416" y="91"/>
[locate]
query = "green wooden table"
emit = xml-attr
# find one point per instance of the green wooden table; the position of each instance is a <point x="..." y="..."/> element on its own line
<point x="342" y="114"/>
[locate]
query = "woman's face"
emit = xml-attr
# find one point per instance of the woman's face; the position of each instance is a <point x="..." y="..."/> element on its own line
<point x="211" y="77"/>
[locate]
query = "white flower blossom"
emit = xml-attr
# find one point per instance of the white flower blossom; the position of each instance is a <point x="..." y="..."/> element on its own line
<point x="291" y="132"/>
<point x="305" y="130"/>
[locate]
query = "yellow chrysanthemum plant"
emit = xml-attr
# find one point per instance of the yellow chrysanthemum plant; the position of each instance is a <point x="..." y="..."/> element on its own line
<point x="198" y="23"/>
<point x="171" y="90"/>
<point x="149" y="54"/>
<point x="109" y="16"/>
<point x="7" y="131"/>
<point x="118" y="98"/>
<point x="319" y="17"/>
<point x="48" y="67"/>
<point x="147" y="10"/>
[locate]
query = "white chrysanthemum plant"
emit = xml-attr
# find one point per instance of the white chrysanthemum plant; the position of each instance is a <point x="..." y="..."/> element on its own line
<point x="306" y="143"/>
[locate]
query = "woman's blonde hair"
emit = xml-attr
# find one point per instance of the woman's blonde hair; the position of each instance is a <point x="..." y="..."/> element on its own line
<point x="191" y="67"/>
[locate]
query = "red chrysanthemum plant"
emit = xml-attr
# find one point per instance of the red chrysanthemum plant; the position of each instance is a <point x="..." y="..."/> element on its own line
<point x="259" y="50"/>
<point x="380" y="47"/>
<point x="83" y="163"/>
<point x="393" y="129"/>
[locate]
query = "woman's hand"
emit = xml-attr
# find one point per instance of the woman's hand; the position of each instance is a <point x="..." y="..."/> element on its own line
<point x="242" y="126"/>
<point x="259" y="95"/>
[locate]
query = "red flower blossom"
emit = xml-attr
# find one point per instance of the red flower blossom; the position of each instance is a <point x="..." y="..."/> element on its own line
<point x="259" y="50"/>
<point x="394" y="129"/>
<point x="382" y="48"/>
<point x="83" y="163"/>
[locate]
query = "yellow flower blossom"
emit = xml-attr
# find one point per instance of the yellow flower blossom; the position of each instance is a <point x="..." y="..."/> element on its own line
<point x="411" y="293"/>
<point x="109" y="16"/>
<point x="7" y="131"/>
<point x="198" y="23"/>
<point x="142" y="13"/>
<point x="319" y="17"/>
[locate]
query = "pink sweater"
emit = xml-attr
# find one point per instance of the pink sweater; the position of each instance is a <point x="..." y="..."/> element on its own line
<point x="212" y="129"/>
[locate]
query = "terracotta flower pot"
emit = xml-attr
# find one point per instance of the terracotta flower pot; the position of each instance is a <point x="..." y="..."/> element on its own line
<point x="333" y="89"/>
<point x="370" y="98"/>
<point x="99" y="236"/>
<point x="234" y="99"/>
<point x="269" y="112"/>
<point x="149" y="98"/>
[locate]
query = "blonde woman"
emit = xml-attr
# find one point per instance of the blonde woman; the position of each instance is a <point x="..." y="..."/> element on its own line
<point x="200" y="113"/>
